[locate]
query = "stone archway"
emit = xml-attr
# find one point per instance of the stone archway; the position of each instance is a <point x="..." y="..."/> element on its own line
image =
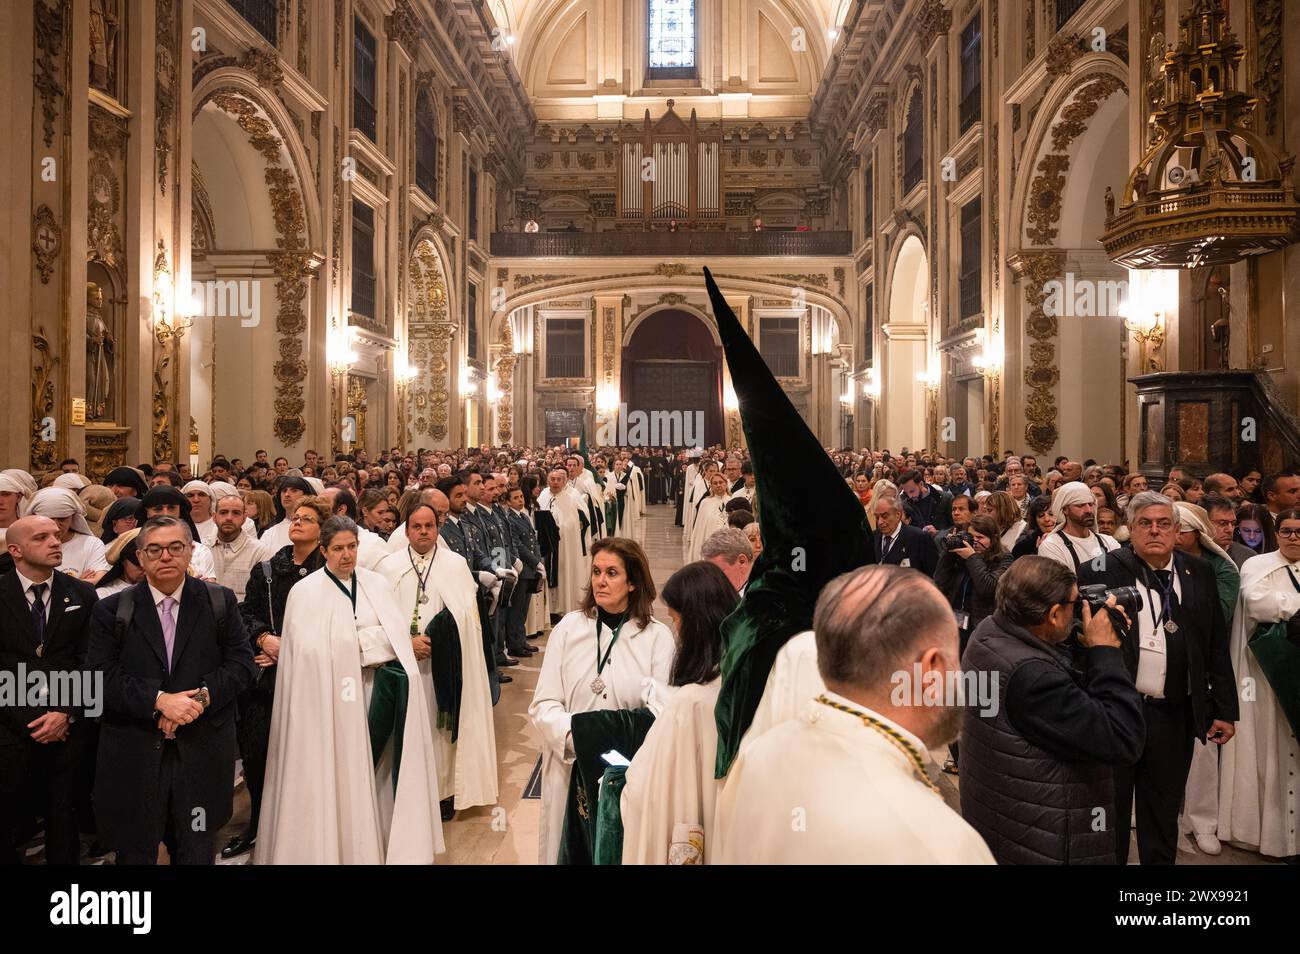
<point x="250" y="307"/>
<point x="906" y="333"/>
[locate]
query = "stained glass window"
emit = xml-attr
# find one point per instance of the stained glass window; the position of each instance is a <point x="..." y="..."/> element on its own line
<point x="672" y="34"/>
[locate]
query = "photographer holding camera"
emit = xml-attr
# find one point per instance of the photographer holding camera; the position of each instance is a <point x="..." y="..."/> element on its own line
<point x="973" y="560"/>
<point x="1177" y="651"/>
<point x="1036" y="768"/>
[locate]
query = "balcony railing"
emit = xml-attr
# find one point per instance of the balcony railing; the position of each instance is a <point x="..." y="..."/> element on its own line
<point x="565" y="244"/>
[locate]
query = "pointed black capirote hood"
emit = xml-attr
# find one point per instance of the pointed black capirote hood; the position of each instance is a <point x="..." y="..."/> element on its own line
<point x="814" y="528"/>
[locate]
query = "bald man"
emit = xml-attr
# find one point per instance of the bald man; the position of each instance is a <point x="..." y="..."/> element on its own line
<point x="43" y="742"/>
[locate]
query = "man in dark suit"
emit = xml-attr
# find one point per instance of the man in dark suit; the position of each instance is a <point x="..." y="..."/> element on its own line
<point x="466" y="536"/>
<point x="172" y="673"/>
<point x="927" y="508"/>
<point x="43" y="744"/>
<point x="899" y="544"/>
<point x="524" y="540"/>
<point x="1177" y="649"/>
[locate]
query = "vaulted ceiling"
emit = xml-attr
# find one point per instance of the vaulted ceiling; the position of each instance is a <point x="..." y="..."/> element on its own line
<point x="586" y="59"/>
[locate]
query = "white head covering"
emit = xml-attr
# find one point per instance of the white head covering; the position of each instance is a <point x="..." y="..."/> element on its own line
<point x="1192" y="517"/>
<point x="59" y="502"/>
<point x="223" y="488"/>
<point x="317" y="484"/>
<point x="199" y="485"/>
<point x="1067" y="495"/>
<point x="74" y="482"/>
<point x="15" y="481"/>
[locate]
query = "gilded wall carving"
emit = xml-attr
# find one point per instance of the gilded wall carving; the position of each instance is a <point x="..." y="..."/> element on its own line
<point x="1268" y="82"/>
<point x="428" y="346"/>
<point x="50" y="23"/>
<point x="44" y="447"/>
<point x="1041" y="371"/>
<point x="166" y="90"/>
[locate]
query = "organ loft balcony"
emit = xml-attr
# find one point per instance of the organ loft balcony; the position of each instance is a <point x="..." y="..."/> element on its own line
<point x="678" y="243"/>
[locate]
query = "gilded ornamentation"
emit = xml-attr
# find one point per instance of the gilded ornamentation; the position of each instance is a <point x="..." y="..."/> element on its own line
<point x="1268" y="84"/>
<point x="47" y="240"/>
<point x="166" y="89"/>
<point x="49" y="26"/>
<point x="167" y="342"/>
<point x="403" y="26"/>
<point x="1061" y="53"/>
<point x="1041" y="374"/>
<point x="523" y="281"/>
<point x="670" y="270"/>
<point x="44" y="453"/>
<point x="877" y="113"/>
<point x="672" y="298"/>
<point x="1030" y="38"/>
<point x="264" y="63"/>
<point x="821" y="281"/>
<point x="103" y="242"/>
<point x="336" y="225"/>
<point x="304" y="37"/>
<point x="933" y="20"/>
<point x="1075" y="116"/>
<point x="1045" y="199"/>
<point x="105" y="450"/>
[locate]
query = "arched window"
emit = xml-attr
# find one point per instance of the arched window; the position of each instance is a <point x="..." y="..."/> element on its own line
<point x="913" y="143"/>
<point x="426" y="146"/>
<point x="670" y="39"/>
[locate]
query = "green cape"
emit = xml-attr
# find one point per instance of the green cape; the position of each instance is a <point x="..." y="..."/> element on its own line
<point x="814" y="529"/>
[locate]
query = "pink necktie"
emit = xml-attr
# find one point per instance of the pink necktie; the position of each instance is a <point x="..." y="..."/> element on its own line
<point x="169" y="628"/>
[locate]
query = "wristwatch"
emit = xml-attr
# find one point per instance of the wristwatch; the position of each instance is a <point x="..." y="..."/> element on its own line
<point x="202" y="697"/>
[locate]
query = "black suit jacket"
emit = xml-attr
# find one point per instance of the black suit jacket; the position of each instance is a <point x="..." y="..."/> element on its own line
<point x="67" y="630"/>
<point x="913" y="543"/>
<point x="127" y="798"/>
<point x="1200" y="619"/>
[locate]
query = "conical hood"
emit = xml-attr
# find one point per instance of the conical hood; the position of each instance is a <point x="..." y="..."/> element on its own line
<point x="814" y="528"/>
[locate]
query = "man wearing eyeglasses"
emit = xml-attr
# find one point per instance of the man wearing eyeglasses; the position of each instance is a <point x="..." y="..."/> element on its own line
<point x="1177" y="650"/>
<point x="1223" y="520"/>
<point x="174" y="659"/>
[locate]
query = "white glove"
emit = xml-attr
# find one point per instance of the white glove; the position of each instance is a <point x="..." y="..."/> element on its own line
<point x="505" y="573"/>
<point x="620" y="486"/>
<point x="541" y="568"/>
<point x="494" y="597"/>
<point x="486" y="580"/>
<point x="519" y="564"/>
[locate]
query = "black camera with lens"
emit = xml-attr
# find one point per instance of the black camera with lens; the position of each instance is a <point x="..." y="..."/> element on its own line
<point x="1096" y="594"/>
<point x="955" y="539"/>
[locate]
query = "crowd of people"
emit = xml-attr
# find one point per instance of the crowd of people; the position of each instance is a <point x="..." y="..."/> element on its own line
<point x="1137" y="645"/>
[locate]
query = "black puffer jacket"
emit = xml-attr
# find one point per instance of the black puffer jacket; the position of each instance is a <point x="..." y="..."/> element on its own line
<point x="263" y="607"/>
<point x="1037" y="758"/>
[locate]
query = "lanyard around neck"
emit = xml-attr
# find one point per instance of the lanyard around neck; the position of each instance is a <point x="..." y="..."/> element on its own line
<point x="601" y="663"/>
<point x="350" y="594"/>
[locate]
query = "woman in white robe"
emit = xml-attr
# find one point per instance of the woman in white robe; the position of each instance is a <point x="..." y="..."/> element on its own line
<point x="467" y="769"/>
<point x="1257" y="788"/>
<point x="711" y="516"/>
<point x="568" y="507"/>
<point x="696" y="490"/>
<point x="668" y="800"/>
<point x="326" y="801"/>
<point x="614" y="621"/>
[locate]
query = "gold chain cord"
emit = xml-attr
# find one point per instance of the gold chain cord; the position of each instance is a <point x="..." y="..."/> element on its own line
<point x="900" y="743"/>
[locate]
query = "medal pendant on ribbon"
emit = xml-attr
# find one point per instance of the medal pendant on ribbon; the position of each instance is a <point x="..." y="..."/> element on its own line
<point x="302" y="571"/>
<point x="597" y="685"/>
<point x="424" y="597"/>
<point x="1170" y="626"/>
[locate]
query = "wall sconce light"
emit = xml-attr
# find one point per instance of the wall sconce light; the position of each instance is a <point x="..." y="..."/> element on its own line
<point x="606" y="399"/>
<point x="404" y="370"/>
<point x="467" y="383"/>
<point x="871" y="386"/>
<point x="846" y="399"/>
<point x="929" y="379"/>
<point x="729" y="400"/>
<point x="492" y="391"/>
<point x="338" y="350"/>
